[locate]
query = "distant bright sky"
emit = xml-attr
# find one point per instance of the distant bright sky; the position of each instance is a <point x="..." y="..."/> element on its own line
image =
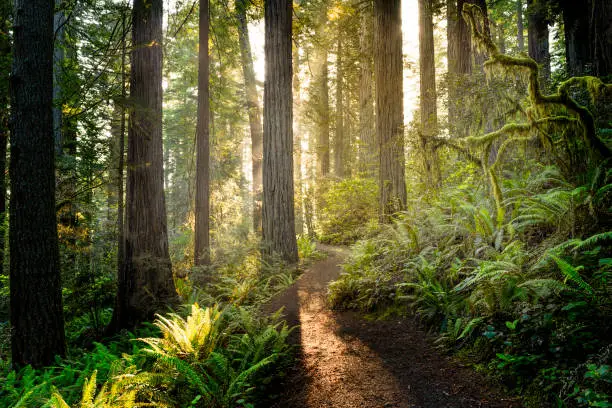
<point x="410" y="32"/>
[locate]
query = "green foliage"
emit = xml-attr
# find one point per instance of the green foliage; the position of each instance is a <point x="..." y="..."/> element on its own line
<point x="349" y="210"/>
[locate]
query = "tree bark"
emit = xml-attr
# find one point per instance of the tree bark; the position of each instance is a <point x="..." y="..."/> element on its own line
<point x="253" y="108"/>
<point x="539" y="50"/>
<point x="321" y="94"/>
<point x="202" y="196"/>
<point x="36" y="292"/>
<point x="429" y="114"/>
<point x="5" y="69"/>
<point x="368" y="148"/>
<point x="145" y="283"/>
<point x="278" y="212"/>
<point x="578" y="48"/>
<point x="459" y="65"/>
<point x="520" y="29"/>
<point x="339" y="139"/>
<point x="389" y="107"/>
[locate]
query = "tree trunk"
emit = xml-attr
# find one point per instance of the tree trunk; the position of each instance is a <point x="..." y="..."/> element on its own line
<point x="368" y="148"/>
<point x="36" y="292"/>
<point x="459" y="65"/>
<point x="278" y="214"/>
<point x="321" y="94"/>
<point x="297" y="143"/>
<point x="58" y="61"/>
<point x="537" y="16"/>
<point x="601" y="34"/>
<point x="429" y="114"/>
<point x="145" y="284"/>
<point x="5" y="69"/>
<point x="389" y="107"/>
<point x="339" y="139"/>
<point x="577" y="42"/>
<point x="202" y="197"/>
<point x="253" y="109"/>
<point x="520" y="37"/>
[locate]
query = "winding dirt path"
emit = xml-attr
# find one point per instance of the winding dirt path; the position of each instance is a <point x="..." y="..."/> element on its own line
<point x="347" y="362"/>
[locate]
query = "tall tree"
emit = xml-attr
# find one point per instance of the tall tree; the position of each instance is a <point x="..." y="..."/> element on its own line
<point x="537" y="39"/>
<point x="5" y="69"/>
<point x="429" y="114"/>
<point x="145" y="284"/>
<point x="202" y="197"/>
<point x="368" y="148"/>
<point x="388" y="68"/>
<point x="278" y="213"/>
<point x="321" y="92"/>
<point x="459" y="64"/>
<point x="339" y="136"/>
<point x="36" y="293"/>
<point x="253" y="108"/>
<point x="520" y="35"/>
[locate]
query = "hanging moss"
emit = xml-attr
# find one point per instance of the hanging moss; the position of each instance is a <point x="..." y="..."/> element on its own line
<point x="548" y="114"/>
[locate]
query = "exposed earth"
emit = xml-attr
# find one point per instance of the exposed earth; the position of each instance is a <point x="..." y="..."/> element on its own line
<point x="346" y="361"/>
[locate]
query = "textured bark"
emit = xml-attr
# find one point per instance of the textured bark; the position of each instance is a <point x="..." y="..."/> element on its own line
<point x="278" y="214"/>
<point x="58" y="61"/>
<point x="520" y="36"/>
<point x="339" y="139"/>
<point x="459" y="65"/>
<point x="429" y="114"/>
<point x="202" y="196"/>
<point x="601" y="37"/>
<point x="321" y="94"/>
<point x="389" y="106"/>
<point x="36" y="297"/>
<point x="539" y="50"/>
<point x="368" y="148"/>
<point x="253" y="108"/>
<point x="145" y="284"/>
<point x="5" y="69"/>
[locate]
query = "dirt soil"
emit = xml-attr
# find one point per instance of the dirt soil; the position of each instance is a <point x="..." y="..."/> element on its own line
<point x="345" y="361"/>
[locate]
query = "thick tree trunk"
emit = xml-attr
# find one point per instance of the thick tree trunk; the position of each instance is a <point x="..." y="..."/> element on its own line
<point x="520" y="35"/>
<point x="58" y="61"/>
<point x="321" y="94"/>
<point x="253" y="108"/>
<point x="339" y="139"/>
<point x="368" y="148"/>
<point x="577" y="42"/>
<point x="5" y="69"/>
<point x="145" y="284"/>
<point x="429" y="114"/>
<point x="601" y="34"/>
<point x="539" y="50"/>
<point x="36" y="293"/>
<point x="202" y="196"/>
<point x="278" y="214"/>
<point x="389" y="107"/>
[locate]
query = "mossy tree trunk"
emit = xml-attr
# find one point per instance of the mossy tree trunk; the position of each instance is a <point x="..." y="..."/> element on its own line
<point x="36" y="292"/>
<point x="278" y="191"/>
<point x="389" y="107"/>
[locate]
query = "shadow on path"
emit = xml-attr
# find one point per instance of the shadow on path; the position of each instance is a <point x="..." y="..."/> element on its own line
<point x="345" y="361"/>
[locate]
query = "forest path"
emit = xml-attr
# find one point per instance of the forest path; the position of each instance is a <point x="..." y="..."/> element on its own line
<point x="346" y="361"/>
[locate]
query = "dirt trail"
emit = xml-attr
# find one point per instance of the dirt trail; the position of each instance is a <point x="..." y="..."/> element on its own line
<point x="348" y="362"/>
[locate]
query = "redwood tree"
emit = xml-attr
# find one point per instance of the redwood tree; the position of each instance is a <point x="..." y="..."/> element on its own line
<point x="278" y="213"/>
<point x="36" y="293"/>
<point x="145" y="284"/>
<point x="253" y="108"/>
<point x="389" y="106"/>
<point x="202" y="198"/>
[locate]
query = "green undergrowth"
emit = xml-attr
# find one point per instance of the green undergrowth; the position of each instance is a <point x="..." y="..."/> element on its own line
<point x="224" y="354"/>
<point x="529" y="300"/>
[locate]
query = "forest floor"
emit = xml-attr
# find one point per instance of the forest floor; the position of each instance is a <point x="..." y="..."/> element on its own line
<point x="346" y="361"/>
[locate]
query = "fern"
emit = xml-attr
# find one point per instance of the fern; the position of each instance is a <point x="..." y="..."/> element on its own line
<point x="573" y="273"/>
